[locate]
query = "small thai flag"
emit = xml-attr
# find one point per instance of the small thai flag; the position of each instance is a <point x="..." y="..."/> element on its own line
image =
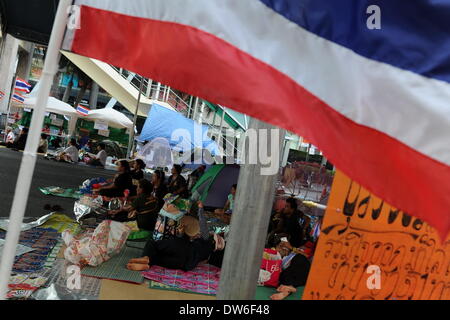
<point x="18" y="98"/>
<point x="22" y="86"/>
<point x="84" y="111"/>
<point x="2" y="94"/>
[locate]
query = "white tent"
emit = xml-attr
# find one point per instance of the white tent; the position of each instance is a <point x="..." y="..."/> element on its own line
<point x="53" y="105"/>
<point x="114" y="118"/>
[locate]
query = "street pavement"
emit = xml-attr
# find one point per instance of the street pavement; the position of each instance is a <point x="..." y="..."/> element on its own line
<point x="47" y="173"/>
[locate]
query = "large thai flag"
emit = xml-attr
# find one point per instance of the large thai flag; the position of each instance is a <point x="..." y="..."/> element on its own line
<point x="376" y="101"/>
<point x="22" y="86"/>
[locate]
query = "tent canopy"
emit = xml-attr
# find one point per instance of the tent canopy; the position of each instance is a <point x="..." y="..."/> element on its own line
<point x="182" y="134"/>
<point x="114" y="118"/>
<point x="53" y="105"/>
<point x="215" y="184"/>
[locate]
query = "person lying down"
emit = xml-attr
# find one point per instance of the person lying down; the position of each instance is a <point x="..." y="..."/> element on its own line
<point x="185" y="252"/>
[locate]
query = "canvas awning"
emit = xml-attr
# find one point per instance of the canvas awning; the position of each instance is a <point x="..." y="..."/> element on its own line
<point x="114" y="118"/>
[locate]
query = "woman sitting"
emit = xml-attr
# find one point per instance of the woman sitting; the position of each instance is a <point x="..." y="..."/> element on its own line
<point x="122" y="181"/>
<point x="195" y="245"/>
<point x="137" y="173"/>
<point x="295" y="267"/>
<point x="144" y="208"/>
<point x="159" y="187"/>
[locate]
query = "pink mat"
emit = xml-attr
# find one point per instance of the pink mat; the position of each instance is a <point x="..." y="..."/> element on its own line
<point x="203" y="279"/>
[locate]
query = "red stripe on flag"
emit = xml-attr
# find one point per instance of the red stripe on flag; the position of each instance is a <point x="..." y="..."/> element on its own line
<point x="204" y="65"/>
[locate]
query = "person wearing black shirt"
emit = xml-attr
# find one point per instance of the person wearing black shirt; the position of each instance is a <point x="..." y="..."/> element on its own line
<point x="19" y="144"/>
<point x="292" y="222"/>
<point x="122" y="181"/>
<point x="144" y="208"/>
<point x="177" y="184"/>
<point x="137" y="172"/>
<point x="196" y="245"/>
<point x="159" y="187"/>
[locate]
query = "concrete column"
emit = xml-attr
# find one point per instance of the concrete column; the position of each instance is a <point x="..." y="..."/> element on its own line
<point x="7" y="68"/>
<point x="25" y="61"/>
<point x="93" y="96"/>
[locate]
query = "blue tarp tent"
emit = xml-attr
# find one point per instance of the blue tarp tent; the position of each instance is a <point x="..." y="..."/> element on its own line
<point x="182" y="134"/>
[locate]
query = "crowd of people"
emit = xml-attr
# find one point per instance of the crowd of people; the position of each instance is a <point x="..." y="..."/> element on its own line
<point x="180" y="238"/>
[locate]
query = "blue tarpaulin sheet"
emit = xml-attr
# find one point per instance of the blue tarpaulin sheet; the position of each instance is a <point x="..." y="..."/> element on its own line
<point x="181" y="133"/>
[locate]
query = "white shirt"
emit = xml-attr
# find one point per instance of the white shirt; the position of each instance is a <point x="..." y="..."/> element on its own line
<point x="72" y="152"/>
<point x="101" y="156"/>
<point x="11" y="137"/>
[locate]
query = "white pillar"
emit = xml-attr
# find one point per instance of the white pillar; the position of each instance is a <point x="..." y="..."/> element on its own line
<point x="158" y="90"/>
<point x="28" y="162"/>
<point x="194" y="116"/>
<point x="7" y="69"/>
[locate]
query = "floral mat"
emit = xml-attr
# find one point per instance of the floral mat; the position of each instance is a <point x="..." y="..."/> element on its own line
<point x="203" y="279"/>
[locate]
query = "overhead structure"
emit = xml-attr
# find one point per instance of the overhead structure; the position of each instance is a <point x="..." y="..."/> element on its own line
<point x="113" y="83"/>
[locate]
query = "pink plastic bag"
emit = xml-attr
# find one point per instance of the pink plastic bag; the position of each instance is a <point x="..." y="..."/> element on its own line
<point x="94" y="248"/>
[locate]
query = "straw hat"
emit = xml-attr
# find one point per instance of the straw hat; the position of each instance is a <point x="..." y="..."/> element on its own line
<point x="191" y="226"/>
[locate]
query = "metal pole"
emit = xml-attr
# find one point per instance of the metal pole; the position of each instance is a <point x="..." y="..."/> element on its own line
<point x="190" y="106"/>
<point x="29" y="156"/>
<point x="158" y="90"/>
<point x="195" y="109"/>
<point x="131" y="140"/>
<point x="249" y="224"/>
<point x="149" y="88"/>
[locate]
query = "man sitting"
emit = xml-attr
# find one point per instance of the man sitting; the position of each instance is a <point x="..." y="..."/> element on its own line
<point x="70" y="154"/>
<point x="98" y="159"/>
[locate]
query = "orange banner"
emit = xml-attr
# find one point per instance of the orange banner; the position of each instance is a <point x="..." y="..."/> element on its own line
<point x="369" y="250"/>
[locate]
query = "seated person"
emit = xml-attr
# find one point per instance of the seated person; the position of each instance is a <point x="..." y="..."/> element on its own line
<point x="295" y="267"/>
<point x="195" y="245"/>
<point x="288" y="221"/>
<point x="21" y="140"/>
<point x="137" y="173"/>
<point x="177" y="184"/>
<point x="70" y="154"/>
<point x="227" y="210"/>
<point x="121" y="182"/>
<point x="10" y="137"/>
<point x="159" y="187"/>
<point x="169" y="216"/>
<point x="144" y="208"/>
<point x="88" y="147"/>
<point x="43" y="144"/>
<point x="99" y="159"/>
<point x="195" y="176"/>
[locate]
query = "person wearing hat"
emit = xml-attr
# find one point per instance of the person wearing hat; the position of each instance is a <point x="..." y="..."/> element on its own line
<point x="192" y="246"/>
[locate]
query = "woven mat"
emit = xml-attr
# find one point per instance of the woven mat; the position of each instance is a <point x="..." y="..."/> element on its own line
<point x="115" y="268"/>
<point x="203" y="279"/>
<point x="67" y="193"/>
<point x="43" y="240"/>
<point x="264" y="293"/>
<point x="89" y="286"/>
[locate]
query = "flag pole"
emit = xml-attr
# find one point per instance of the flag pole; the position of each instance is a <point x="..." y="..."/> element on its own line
<point x="131" y="140"/>
<point x="29" y="155"/>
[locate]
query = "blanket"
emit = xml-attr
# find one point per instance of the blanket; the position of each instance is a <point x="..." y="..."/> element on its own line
<point x="203" y="279"/>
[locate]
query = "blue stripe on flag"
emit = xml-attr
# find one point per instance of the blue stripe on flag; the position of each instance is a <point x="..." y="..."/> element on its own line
<point x="414" y="35"/>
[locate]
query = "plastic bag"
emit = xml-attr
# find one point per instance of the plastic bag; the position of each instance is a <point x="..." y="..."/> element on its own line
<point x="96" y="247"/>
<point x="270" y="270"/>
